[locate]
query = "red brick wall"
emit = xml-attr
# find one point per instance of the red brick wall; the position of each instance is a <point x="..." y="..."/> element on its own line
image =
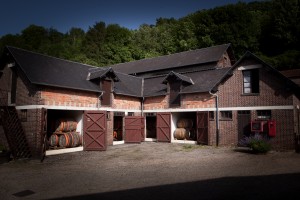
<point x="272" y="91"/>
<point x="32" y="128"/>
<point x="5" y="85"/>
<point x="188" y="101"/>
<point x="197" y="100"/>
<point x="126" y="102"/>
<point x="160" y="102"/>
<point x="68" y="97"/>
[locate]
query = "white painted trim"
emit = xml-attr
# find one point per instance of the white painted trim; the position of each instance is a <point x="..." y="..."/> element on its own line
<point x="73" y="108"/>
<point x="247" y="67"/>
<point x="61" y="151"/>
<point x="259" y="108"/>
<point x="150" y="139"/>
<point x="180" y="110"/>
<point x="287" y="107"/>
<point x="118" y="142"/>
<point x="184" y="141"/>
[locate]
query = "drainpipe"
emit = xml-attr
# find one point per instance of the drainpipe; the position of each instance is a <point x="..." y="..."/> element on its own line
<point x="142" y="106"/>
<point x="217" y="116"/>
<point x="99" y="99"/>
<point x="143" y="98"/>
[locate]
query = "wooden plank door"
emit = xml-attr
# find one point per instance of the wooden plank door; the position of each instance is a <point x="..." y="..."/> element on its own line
<point x="202" y="127"/>
<point x="163" y="127"/>
<point x="134" y="129"/>
<point x="244" y="128"/>
<point x="94" y="131"/>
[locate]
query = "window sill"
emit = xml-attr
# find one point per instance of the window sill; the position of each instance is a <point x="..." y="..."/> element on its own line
<point x="250" y="94"/>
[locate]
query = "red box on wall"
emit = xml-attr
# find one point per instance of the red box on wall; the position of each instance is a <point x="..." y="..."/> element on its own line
<point x="272" y="128"/>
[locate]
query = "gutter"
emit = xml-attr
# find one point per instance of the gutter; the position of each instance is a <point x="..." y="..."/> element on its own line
<point x="217" y="116"/>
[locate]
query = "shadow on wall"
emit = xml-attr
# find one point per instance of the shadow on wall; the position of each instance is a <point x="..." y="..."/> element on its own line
<point x="282" y="186"/>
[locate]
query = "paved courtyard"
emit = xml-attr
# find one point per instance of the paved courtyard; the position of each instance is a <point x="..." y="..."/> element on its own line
<point x="154" y="171"/>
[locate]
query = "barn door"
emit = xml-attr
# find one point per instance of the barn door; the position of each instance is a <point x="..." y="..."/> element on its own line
<point x="202" y="127"/>
<point x="163" y="127"/>
<point x="134" y="129"/>
<point x="94" y="131"/>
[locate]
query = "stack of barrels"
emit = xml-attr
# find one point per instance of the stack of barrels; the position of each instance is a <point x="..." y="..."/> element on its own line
<point x="182" y="132"/>
<point x="65" y="134"/>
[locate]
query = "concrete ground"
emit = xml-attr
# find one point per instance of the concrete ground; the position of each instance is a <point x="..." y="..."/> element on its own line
<point x="154" y="171"/>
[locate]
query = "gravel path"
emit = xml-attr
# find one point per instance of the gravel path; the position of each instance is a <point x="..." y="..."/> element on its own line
<point x="154" y="171"/>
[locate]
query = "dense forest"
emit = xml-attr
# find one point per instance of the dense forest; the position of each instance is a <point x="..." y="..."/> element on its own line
<point x="270" y="29"/>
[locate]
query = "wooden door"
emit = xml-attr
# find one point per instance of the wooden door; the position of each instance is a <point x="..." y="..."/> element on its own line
<point x="244" y="128"/>
<point x="134" y="129"/>
<point x="202" y="127"/>
<point x="94" y="131"/>
<point x="163" y="127"/>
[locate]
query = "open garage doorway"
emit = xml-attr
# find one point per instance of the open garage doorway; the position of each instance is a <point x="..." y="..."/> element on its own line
<point x="118" y="126"/>
<point x="150" y="126"/>
<point x="64" y="130"/>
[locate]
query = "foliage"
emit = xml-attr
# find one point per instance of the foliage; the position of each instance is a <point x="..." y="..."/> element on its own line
<point x="269" y="29"/>
<point x="2" y="148"/>
<point x="257" y="143"/>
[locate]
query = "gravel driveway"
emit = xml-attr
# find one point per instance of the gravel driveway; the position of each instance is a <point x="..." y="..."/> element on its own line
<point x="154" y="171"/>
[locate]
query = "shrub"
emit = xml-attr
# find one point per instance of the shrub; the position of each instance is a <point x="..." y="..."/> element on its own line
<point x="257" y="143"/>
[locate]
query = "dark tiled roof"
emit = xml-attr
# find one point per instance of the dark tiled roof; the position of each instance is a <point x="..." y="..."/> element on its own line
<point x="179" y="76"/>
<point x="204" y="81"/>
<point x="187" y="58"/>
<point x="45" y="70"/>
<point x="100" y="73"/>
<point x="153" y="86"/>
<point x="123" y="84"/>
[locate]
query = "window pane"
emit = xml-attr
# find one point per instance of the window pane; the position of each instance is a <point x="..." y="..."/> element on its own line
<point x="247" y="90"/>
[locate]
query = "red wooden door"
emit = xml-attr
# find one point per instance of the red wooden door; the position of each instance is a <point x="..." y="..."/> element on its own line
<point x="94" y="131"/>
<point x="163" y="127"/>
<point x="134" y="129"/>
<point x="202" y="127"/>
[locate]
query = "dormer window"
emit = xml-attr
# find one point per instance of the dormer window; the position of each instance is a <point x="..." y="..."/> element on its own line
<point x="175" y="100"/>
<point x="106" y="86"/>
<point x="176" y="81"/>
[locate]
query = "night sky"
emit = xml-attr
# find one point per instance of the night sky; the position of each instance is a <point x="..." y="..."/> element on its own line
<point x="16" y="15"/>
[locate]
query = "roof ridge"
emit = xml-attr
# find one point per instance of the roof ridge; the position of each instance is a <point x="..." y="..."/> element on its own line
<point x="45" y="55"/>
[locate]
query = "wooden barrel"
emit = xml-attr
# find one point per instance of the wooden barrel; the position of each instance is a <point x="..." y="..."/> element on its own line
<point x="76" y="139"/>
<point x="65" y="140"/>
<point x="72" y="139"/>
<point x="181" y="134"/>
<point x="65" y="125"/>
<point x="185" y="123"/>
<point x="53" y="140"/>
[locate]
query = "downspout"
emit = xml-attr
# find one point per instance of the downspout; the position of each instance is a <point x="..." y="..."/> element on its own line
<point x="143" y="98"/>
<point x="99" y="99"/>
<point x="217" y="116"/>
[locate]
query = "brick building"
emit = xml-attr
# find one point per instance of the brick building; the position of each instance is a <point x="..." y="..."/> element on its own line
<point x="202" y="96"/>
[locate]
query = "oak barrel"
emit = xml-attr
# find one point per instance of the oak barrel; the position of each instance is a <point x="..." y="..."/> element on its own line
<point x="181" y="134"/>
<point x="64" y="125"/>
<point x="185" y="123"/>
<point x="65" y="140"/>
<point x="53" y="140"/>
